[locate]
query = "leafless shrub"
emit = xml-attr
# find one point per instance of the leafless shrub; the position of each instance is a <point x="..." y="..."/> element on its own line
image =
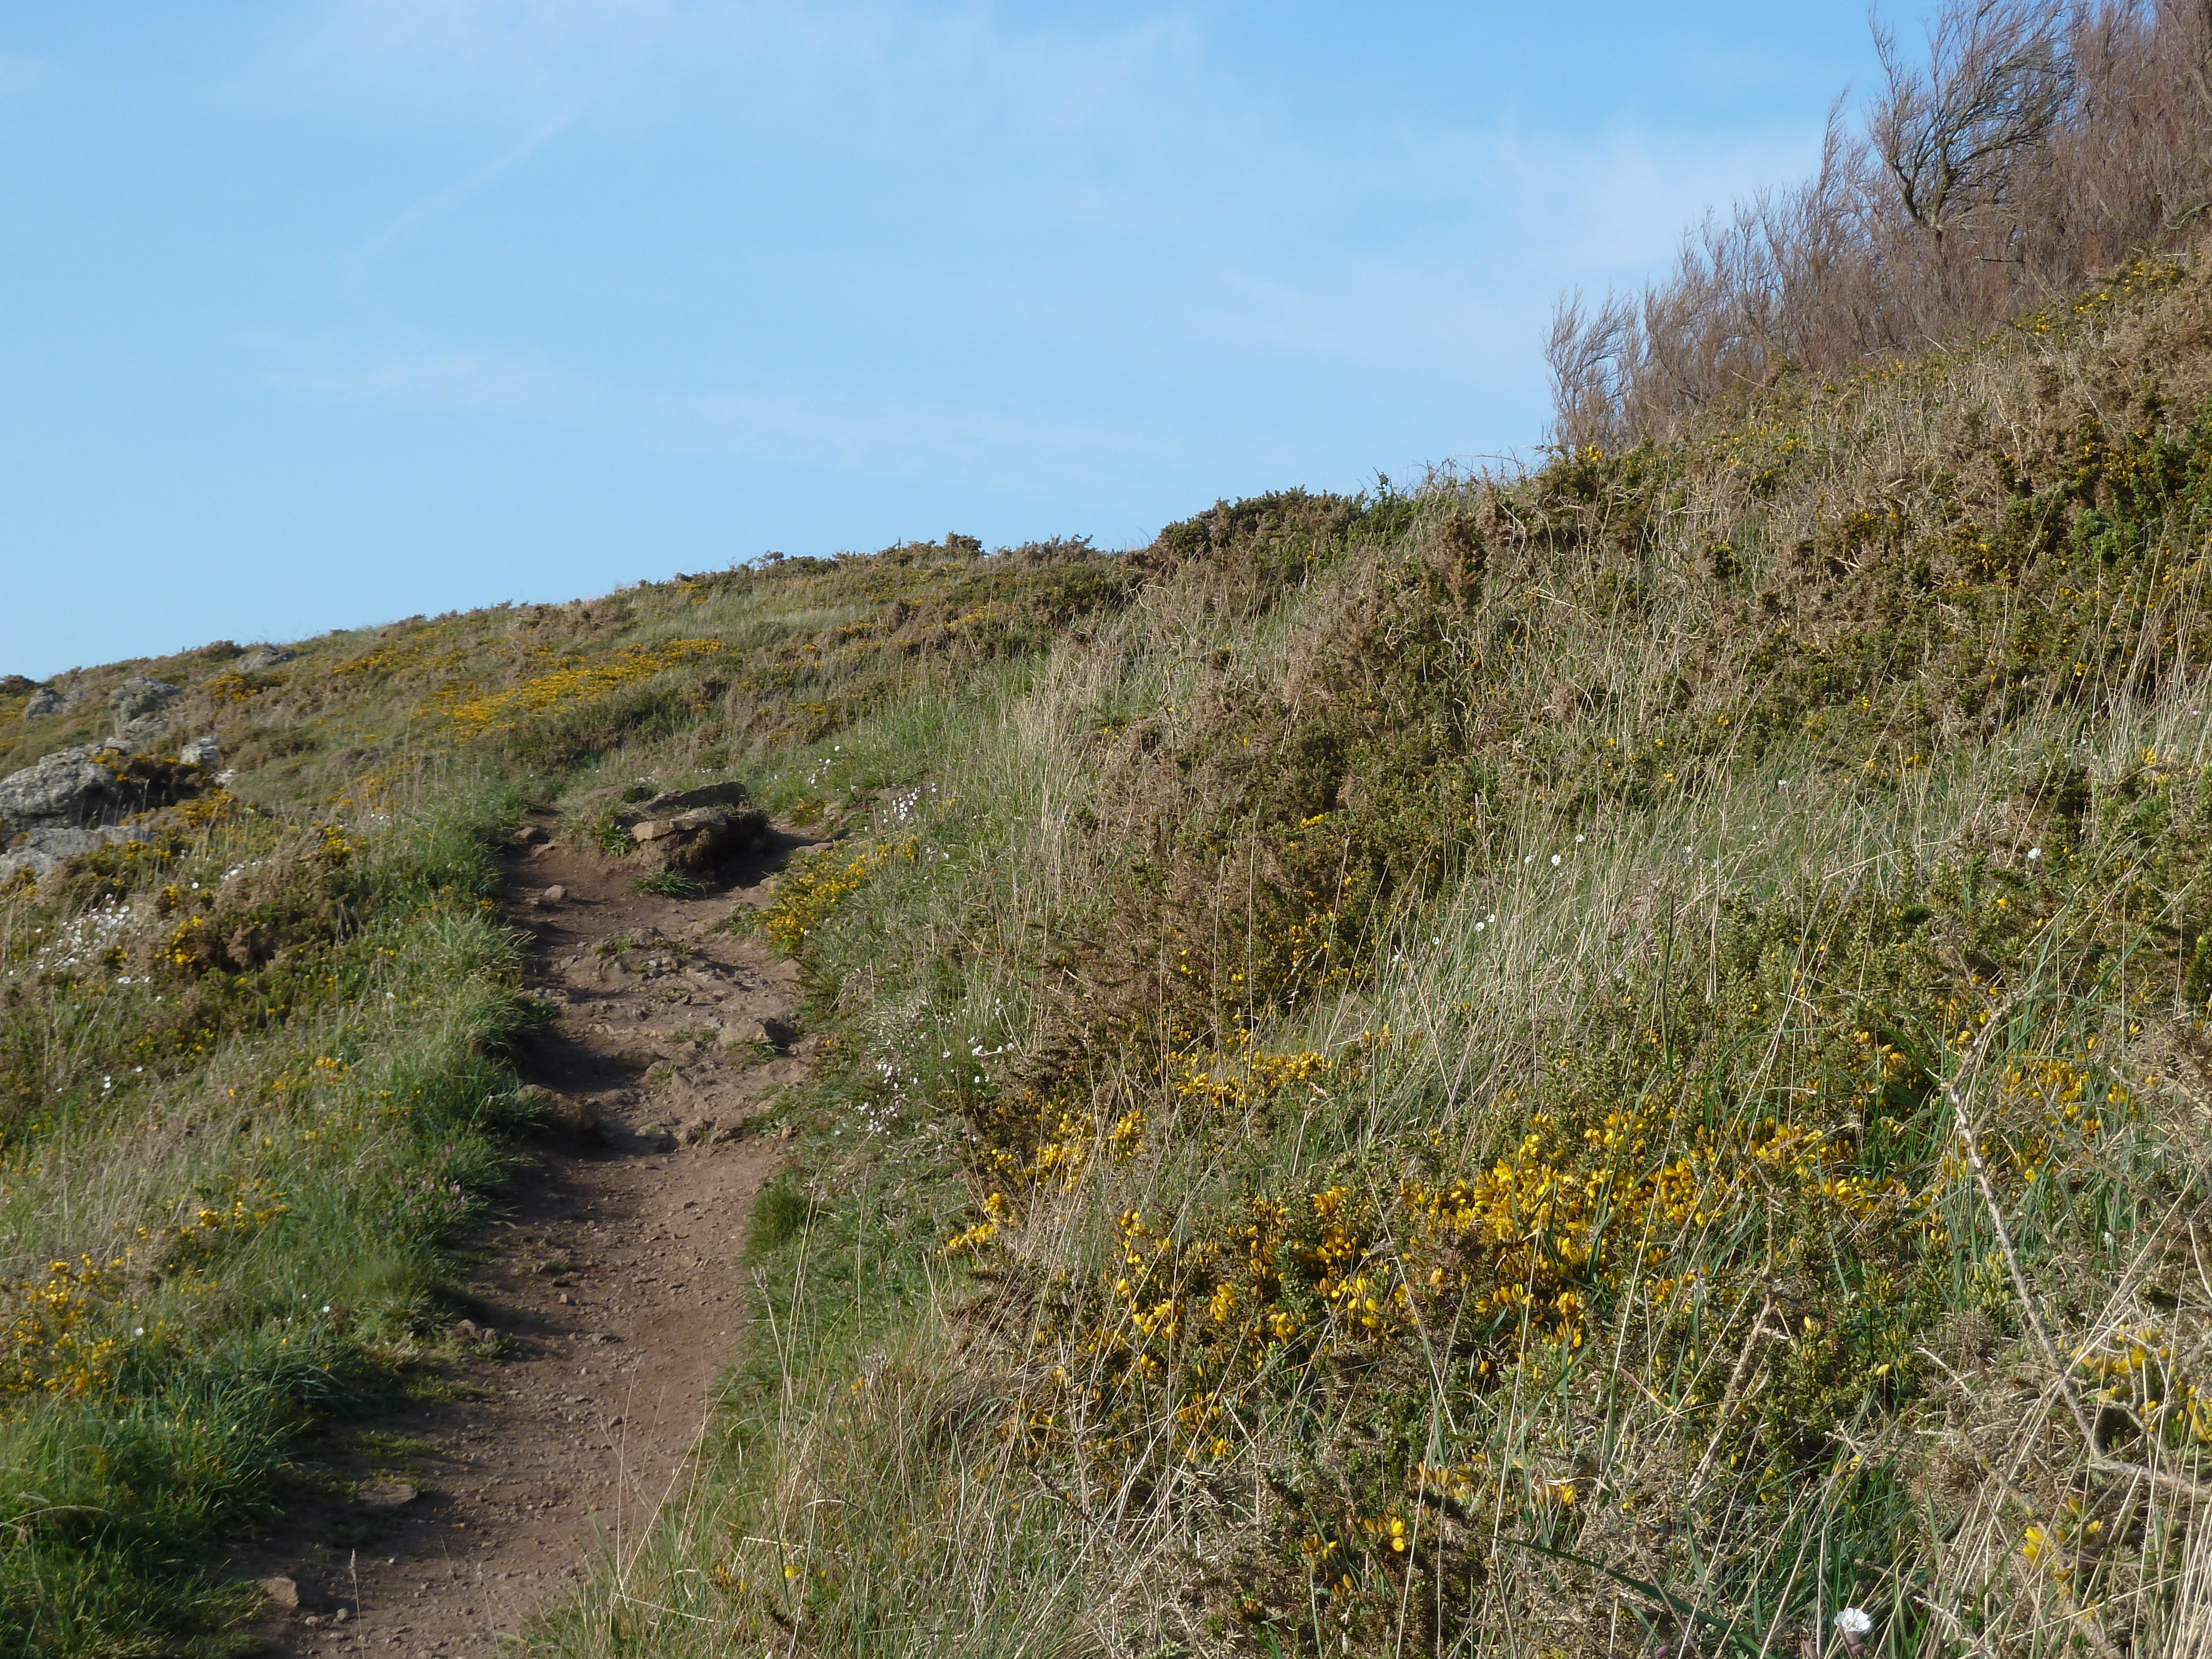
<point x="1955" y="137"/>
<point x="2038" y="143"/>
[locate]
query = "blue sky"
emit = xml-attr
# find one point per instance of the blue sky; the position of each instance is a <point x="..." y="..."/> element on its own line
<point x="320" y="315"/>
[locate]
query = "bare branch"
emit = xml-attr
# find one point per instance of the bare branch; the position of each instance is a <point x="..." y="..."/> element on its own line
<point x="2035" y="145"/>
<point x="1998" y="83"/>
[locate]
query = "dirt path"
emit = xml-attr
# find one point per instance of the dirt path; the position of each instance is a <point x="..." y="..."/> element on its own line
<point x="612" y="1291"/>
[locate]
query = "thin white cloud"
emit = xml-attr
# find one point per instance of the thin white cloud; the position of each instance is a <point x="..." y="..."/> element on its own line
<point x="883" y="435"/>
<point x="504" y="60"/>
<point x="1065" y="83"/>
<point x="1362" y="311"/>
<point x="512" y="387"/>
<point x="1380" y="246"/>
<point x="1504" y="225"/>
<point x="497" y="61"/>
<point x="441" y="202"/>
<point x="1612" y="201"/>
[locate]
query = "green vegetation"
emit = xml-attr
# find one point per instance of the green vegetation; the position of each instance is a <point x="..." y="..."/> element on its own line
<point x="1408" y="1092"/>
<point x="248" y="1096"/>
<point x="669" y="884"/>
<point x="253" y="1080"/>
<point x="1587" y="1061"/>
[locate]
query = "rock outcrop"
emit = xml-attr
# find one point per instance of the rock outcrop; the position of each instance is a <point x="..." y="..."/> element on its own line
<point x="40" y="850"/>
<point x="73" y="800"/>
<point x="44" y="703"/>
<point x="68" y="786"/>
<point x="140" y="696"/>
<point x="138" y="703"/>
<point x="695" y="830"/>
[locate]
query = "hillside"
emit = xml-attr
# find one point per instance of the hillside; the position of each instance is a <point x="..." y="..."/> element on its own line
<point x="1611" y="1060"/>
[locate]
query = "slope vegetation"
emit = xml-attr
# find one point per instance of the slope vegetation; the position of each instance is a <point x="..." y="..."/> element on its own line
<point x="1607" y="1060"/>
<point x="1603" y="1061"/>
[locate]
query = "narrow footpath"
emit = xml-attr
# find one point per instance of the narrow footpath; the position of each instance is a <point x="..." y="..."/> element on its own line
<point x="607" y="1300"/>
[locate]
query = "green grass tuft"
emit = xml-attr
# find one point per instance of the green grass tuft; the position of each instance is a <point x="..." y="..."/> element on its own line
<point x="669" y="884"/>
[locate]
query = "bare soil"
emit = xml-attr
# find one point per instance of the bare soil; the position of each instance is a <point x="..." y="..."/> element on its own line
<point x="611" y="1292"/>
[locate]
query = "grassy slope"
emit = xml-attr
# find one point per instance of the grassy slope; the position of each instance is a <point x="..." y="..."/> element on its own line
<point x="226" y="1189"/>
<point x="1396" y="1058"/>
<point x="1451" y="1022"/>
<point x="252" y="1089"/>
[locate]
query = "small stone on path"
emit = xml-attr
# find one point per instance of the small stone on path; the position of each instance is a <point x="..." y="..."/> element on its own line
<point x="289" y="1593"/>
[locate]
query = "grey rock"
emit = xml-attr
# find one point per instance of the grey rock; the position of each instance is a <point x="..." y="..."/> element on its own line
<point x="43" y="850"/>
<point x="695" y="830"/>
<point x="730" y="793"/>
<point x="14" y="864"/>
<point x="140" y="695"/>
<point x="65" y="805"/>
<point x="68" y="843"/>
<point x="698" y="838"/>
<point x="68" y="786"/>
<point x="44" y="703"/>
<point x="384" y="1494"/>
<point x="204" y="752"/>
<point x="258" y="657"/>
<point x="554" y="894"/>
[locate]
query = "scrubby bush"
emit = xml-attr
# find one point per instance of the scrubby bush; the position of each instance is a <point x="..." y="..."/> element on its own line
<point x="2038" y="145"/>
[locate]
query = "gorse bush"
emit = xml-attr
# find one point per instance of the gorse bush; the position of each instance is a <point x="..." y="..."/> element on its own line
<point x="1606" y="1059"/>
<point x="234" y="1050"/>
<point x="1599" y="1057"/>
